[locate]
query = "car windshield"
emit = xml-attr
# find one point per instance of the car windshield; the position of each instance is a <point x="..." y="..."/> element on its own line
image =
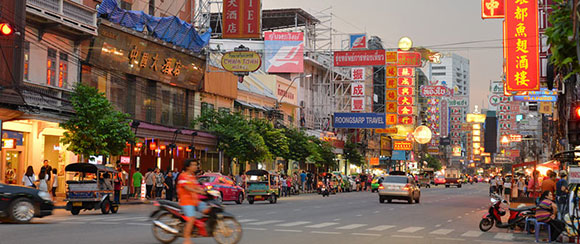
<point x="396" y="179"/>
<point x="440" y="177"/>
<point x="206" y="179"/>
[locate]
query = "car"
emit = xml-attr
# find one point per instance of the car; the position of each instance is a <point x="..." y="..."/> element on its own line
<point x="439" y="180"/>
<point x="376" y="182"/>
<point x="399" y="187"/>
<point x="20" y="204"/>
<point x="227" y="187"/>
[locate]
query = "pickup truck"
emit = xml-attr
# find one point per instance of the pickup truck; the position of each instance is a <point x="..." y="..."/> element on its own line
<point x="452" y="177"/>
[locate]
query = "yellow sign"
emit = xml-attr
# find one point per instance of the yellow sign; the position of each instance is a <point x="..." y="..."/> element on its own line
<point x="374" y="161"/>
<point x="546" y="107"/>
<point x="475" y="118"/>
<point x="241" y="61"/>
<point x="8" y="143"/>
<point x="392" y="130"/>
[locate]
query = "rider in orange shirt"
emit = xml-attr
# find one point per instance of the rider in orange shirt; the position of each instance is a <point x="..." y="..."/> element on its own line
<point x="188" y="190"/>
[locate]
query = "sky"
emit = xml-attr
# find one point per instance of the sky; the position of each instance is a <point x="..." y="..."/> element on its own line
<point x="441" y="25"/>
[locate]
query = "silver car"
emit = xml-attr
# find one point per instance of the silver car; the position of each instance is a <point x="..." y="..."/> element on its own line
<point x="399" y="187"/>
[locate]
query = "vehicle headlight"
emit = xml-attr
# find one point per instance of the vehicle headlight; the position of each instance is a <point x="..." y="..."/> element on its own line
<point x="45" y="195"/>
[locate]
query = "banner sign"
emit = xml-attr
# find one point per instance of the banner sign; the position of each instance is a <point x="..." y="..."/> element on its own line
<point x="357" y="90"/>
<point x="357" y="74"/>
<point x="359" y="58"/>
<point x="391" y="57"/>
<point x="399" y="155"/>
<point x="241" y="61"/>
<point x="458" y="101"/>
<point x="357" y="104"/>
<point x="242" y="19"/>
<point x="492" y="9"/>
<point x="358" y="41"/>
<point x="391" y="130"/>
<point x="574" y="175"/>
<point x="284" y="52"/>
<point x="405" y="71"/>
<point x="406" y="81"/>
<point x="536" y="98"/>
<point x="402" y="146"/>
<point x="444" y="118"/>
<point x="359" y="120"/>
<point x="521" y="45"/>
<point x="409" y="59"/>
<point x="435" y="91"/>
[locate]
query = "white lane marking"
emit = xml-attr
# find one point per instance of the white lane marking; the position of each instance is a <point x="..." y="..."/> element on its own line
<point x="70" y="222"/>
<point x="322" y="225"/>
<point x="472" y="233"/>
<point x="364" y="234"/>
<point x="132" y="218"/>
<point x="266" y="222"/>
<point x="410" y="229"/>
<point x="359" y="215"/>
<point x="449" y="221"/>
<point x="390" y="209"/>
<point x="459" y="217"/>
<point x="466" y="214"/>
<point x="142" y="224"/>
<point x="325" y="232"/>
<point x="246" y="220"/>
<point x="250" y="228"/>
<point x="294" y="223"/>
<point x="504" y="236"/>
<point x="350" y="227"/>
<point x="441" y="231"/>
<point x="382" y="227"/>
<point x="404" y="236"/>
<point x="336" y="220"/>
<point x="294" y="231"/>
<point x="439" y="225"/>
<point x="449" y="239"/>
<point x="104" y="223"/>
<point x="376" y="212"/>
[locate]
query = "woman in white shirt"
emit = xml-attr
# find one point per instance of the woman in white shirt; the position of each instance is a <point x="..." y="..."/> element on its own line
<point x="29" y="178"/>
<point x="43" y="180"/>
<point x="54" y="182"/>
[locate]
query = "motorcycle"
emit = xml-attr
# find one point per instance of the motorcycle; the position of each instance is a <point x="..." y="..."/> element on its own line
<point x="517" y="215"/>
<point x="324" y="191"/>
<point x="169" y="222"/>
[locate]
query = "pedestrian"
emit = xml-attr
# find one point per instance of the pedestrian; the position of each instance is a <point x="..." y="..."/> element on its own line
<point x="303" y="180"/>
<point x="169" y="186"/>
<point x="288" y="185"/>
<point x="43" y="180"/>
<point x="521" y="186"/>
<point x="499" y="183"/>
<point x="118" y="182"/>
<point x="507" y="186"/>
<point x="549" y="184"/>
<point x="137" y="179"/>
<point x="546" y="211"/>
<point x="284" y="186"/>
<point x="369" y="181"/>
<point x="54" y="182"/>
<point x="47" y="168"/>
<point x="534" y="185"/>
<point x="309" y="182"/>
<point x="363" y="181"/>
<point x="492" y="186"/>
<point x="562" y="194"/>
<point x="159" y="183"/>
<point x="149" y="182"/>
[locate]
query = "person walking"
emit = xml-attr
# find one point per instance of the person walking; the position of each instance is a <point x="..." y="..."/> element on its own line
<point x="54" y="182"/>
<point x="47" y="168"/>
<point x="28" y="179"/>
<point x="169" y="186"/>
<point x="534" y="185"/>
<point x="303" y="180"/>
<point x="369" y="181"/>
<point x="549" y="183"/>
<point x="159" y="183"/>
<point x="149" y="182"/>
<point x="118" y="182"/>
<point x="309" y="182"/>
<point x="284" y="186"/>
<point x="507" y="189"/>
<point x="521" y="186"/>
<point x="562" y="194"/>
<point x="137" y="179"/>
<point x="492" y="186"/>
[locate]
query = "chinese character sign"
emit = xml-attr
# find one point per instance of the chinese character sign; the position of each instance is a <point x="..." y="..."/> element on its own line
<point x="358" y="90"/>
<point x="358" y="104"/>
<point x="492" y="9"/>
<point x="242" y="19"/>
<point x="357" y="74"/>
<point x="521" y="45"/>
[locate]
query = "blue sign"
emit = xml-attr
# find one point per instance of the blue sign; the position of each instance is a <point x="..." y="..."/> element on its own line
<point x="359" y="120"/>
<point x="536" y="98"/>
<point x="358" y="41"/>
<point x="399" y="155"/>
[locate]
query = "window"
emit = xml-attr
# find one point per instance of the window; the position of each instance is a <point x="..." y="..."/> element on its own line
<point x="438" y="73"/>
<point x="125" y="5"/>
<point x="438" y="67"/>
<point x="63" y="70"/>
<point x="291" y="119"/>
<point x="131" y="96"/>
<point x="224" y="110"/>
<point x="26" y="59"/>
<point x="152" y="7"/>
<point x="149" y="101"/>
<point x="51" y="68"/>
<point x="206" y="107"/>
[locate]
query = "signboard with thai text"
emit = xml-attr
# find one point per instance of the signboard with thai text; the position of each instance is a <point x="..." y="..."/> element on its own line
<point x="402" y="146"/>
<point x="391" y="130"/>
<point x="458" y="101"/>
<point x="435" y="91"/>
<point x="409" y="59"/>
<point x="359" y="120"/>
<point x="241" y="61"/>
<point x="359" y="58"/>
<point x="242" y="19"/>
<point x="284" y="52"/>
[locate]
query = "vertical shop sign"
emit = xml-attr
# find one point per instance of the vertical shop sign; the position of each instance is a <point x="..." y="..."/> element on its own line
<point x="242" y="19"/>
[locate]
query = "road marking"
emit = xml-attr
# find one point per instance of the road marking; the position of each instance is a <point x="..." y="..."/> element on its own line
<point x="404" y="236"/>
<point x="410" y="229"/>
<point x="459" y="217"/>
<point x="70" y="222"/>
<point x="350" y="227"/>
<point x="105" y="223"/>
<point x="365" y="234"/>
<point x="250" y="228"/>
<point x="382" y="227"/>
<point x="246" y="220"/>
<point x="441" y="231"/>
<point x="359" y="215"/>
<point x="439" y="225"/>
<point x="266" y="222"/>
<point x="322" y="225"/>
<point x="376" y="212"/>
<point x="449" y="221"/>
<point x="271" y="212"/>
<point x="325" y="232"/>
<point x="466" y="214"/>
<point x="336" y="220"/>
<point x="449" y="239"/>
<point x="294" y="231"/>
<point x="472" y="233"/>
<point x="294" y="223"/>
<point x="142" y="224"/>
<point x="504" y="236"/>
<point x="119" y="219"/>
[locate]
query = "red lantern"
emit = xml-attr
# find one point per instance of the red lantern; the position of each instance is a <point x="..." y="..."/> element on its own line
<point x="162" y="147"/>
<point x="180" y="148"/>
<point x="136" y="149"/>
<point x="139" y="144"/>
<point x="152" y="146"/>
<point x="188" y="149"/>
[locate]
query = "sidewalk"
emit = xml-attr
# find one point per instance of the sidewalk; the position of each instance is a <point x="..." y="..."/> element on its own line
<point x="59" y="202"/>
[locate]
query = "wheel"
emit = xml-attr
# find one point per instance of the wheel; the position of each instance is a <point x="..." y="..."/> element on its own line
<point x="106" y="206"/>
<point x="272" y="199"/>
<point x="389" y="200"/>
<point x="410" y="200"/>
<point x="381" y="200"/>
<point x="75" y="211"/>
<point x="240" y="198"/>
<point x="458" y="186"/>
<point x="227" y="230"/>
<point x="417" y="199"/>
<point x="485" y="224"/>
<point x="115" y="208"/>
<point x="251" y="200"/>
<point x="21" y="211"/>
<point x="162" y="235"/>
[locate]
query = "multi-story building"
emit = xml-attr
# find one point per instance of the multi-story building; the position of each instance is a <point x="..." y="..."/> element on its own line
<point x="452" y="71"/>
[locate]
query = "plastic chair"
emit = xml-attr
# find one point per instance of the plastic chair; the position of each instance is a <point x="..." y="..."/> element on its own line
<point x="528" y="220"/>
<point x="538" y="224"/>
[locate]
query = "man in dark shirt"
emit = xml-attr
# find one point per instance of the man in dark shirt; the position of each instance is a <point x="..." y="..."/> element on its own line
<point x="562" y="194"/>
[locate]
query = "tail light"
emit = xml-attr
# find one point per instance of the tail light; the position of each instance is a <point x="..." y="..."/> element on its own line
<point x="381" y="187"/>
<point x="156" y="203"/>
<point x="209" y="187"/>
<point x="407" y="187"/>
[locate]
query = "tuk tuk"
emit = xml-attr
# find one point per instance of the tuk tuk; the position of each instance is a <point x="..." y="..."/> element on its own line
<point x="91" y="188"/>
<point x="262" y="185"/>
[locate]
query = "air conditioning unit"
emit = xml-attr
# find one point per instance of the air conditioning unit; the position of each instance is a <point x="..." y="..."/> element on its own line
<point x="301" y="103"/>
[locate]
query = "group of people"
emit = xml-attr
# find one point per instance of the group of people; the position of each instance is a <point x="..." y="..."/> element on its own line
<point x="45" y="181"/>
<point x="156" y="183"/>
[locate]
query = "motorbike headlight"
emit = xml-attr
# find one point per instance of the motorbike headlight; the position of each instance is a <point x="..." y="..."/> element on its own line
<point x="45" y="195"/>
<point x="493" y="200"/>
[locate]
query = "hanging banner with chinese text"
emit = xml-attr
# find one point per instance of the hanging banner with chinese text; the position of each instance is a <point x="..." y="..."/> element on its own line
<point x="242" y="19"/>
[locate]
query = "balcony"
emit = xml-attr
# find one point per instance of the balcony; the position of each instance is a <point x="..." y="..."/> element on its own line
<point x="64" y="16"/>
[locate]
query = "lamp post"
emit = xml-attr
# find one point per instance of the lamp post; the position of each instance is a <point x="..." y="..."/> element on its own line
<point x="173" y="146"/>
<point x="134" y="125"/>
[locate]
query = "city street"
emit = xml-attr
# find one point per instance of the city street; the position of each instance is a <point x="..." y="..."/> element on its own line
<point x="445" y="215"/>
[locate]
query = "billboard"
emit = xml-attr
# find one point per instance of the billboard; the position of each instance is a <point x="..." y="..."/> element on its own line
<point x="492" y="9"/>
<point x="284" y="52"/>
<point x="242" y="19"/>
<point x="399" y="155"/>
<point x="359" y="120"/>
<point x="358" y="41"/>
<point x="359" y="58"/>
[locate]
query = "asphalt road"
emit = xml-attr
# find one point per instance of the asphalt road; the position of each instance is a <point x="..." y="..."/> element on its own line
<point x="445" y="215"/>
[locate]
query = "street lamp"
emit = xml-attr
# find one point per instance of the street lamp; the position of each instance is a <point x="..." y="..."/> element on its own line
<point x="405" y="43"/>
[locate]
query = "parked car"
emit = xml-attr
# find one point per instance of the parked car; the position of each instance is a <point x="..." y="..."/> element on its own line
<point x="20" y="204"/>
<point x="226" y="186"/>
<point x="399" y="187"/>
<point x="439" y="180"/>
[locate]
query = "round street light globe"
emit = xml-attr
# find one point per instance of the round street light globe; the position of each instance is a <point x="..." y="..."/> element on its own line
<point x="422" y="134"/>
<point x="405" y="43"/>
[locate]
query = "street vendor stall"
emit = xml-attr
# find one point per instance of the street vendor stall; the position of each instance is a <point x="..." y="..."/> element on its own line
<point x="526" y="169"/>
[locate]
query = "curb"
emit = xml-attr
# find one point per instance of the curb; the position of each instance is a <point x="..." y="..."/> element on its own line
<point x="122" y="203"/>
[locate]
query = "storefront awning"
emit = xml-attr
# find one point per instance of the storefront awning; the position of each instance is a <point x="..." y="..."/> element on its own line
<point x="165" y="133"/>
<point x="249" y="105"/>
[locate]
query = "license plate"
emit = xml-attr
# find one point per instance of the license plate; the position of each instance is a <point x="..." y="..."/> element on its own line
<point x="77" y="204"/>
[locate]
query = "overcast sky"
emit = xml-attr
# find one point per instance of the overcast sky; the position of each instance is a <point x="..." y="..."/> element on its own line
<point x="436" y="24"/>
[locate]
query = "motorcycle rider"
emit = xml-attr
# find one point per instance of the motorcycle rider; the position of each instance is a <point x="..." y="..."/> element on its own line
<point x="188" y="189"/>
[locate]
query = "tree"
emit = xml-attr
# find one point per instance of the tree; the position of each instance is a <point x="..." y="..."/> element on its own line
<point x="352" y="154"/>
<point x="563" y="39"/>
<point x="299" y="148"/>
<point x="322" y="153"/>
<point x="96" y="128"/>
<point x="433" y="162"/>
<point x="275" y="139"/>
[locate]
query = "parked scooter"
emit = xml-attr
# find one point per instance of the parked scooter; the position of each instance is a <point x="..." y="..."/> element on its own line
<point x="169" y="222"/>
<point x="517" y="215"/>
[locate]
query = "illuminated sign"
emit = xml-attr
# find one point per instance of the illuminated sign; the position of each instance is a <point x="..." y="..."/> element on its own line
<point x="406" y="71"/>
<point x="515" y="138"/>
<point x="391" y="57"/>
<point x="391" y="130"/>
<point x="405" y="110"/>
<point x="405" y="101"/>
<point x="359" y="58"/>
<point x="406" y="81"/>
<point x="405" y="120"/>
<point x="475" y="118"/>
<point x="405" y="91"/>
<point x="391" y="119"/>
<point x="241" y="61"/>
<point x="242" y="19"/>
<point x="409" y="59"/>
<point x="402" y="145"/>
<point x="456" y="151"/>
<point x="8" y="143"/>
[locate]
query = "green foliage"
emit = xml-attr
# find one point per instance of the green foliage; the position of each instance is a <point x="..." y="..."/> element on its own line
<point x="96" y="128"/>
<point x="275" y="139"/>
<point x="321" y="153"/>
<point x="561" y="39"/>
<point x="433" y="162"/>
<point x="352" y="154"/>
<point x="299" y="145"/>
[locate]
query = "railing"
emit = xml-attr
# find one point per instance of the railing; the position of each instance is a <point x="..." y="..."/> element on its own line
<point x="66" y="12"/>
<point x="47" y="97"/>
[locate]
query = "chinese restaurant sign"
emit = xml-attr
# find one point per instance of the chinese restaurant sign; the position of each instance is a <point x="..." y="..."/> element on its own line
<point x="242" y="19"/>
<point x="241" y="61"/>
<point x="359" y="58"/>
<point x="123" y="52"/>
<point x="521" y="45"/>
<point x="492" y="9"/>
<point x="402" y="145"/>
